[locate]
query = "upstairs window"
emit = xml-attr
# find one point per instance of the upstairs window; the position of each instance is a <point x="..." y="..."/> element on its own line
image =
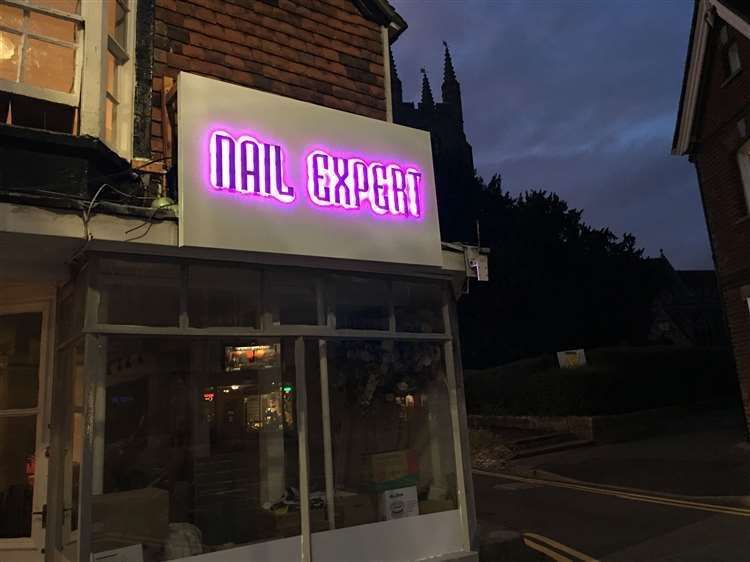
<point x="730" y="54"/>
<point x="117" y="57"/>
<point x="40" y="57"/>
<point x="54" y="76"/>
<point x="743" y="160"/>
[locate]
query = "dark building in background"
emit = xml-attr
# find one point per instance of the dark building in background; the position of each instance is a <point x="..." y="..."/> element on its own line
<point x="713" y="129"/>
<point x="687" y="306"/>
<point x="452" y="154"/>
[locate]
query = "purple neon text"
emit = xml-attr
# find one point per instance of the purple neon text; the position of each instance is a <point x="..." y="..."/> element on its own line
<point x="247" y="165"/>
<point x="347" y="183"/>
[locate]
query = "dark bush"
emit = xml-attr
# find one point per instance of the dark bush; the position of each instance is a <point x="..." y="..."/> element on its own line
<point x="616" y="380"/>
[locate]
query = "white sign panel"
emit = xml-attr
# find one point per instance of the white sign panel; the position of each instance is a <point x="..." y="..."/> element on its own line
<point x="264" y="173"/>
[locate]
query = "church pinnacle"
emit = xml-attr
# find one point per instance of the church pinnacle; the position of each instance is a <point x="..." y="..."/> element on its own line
<point x="427" y="102"/>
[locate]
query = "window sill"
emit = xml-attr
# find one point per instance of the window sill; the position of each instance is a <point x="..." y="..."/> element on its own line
<point x="731" y="77"/>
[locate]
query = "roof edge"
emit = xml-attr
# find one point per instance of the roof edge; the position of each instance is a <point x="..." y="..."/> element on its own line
<point x="381" y="12"/>
<point x="703" y="17"/>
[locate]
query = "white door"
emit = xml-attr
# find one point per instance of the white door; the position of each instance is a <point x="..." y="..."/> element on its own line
<point x="24" y="356"/>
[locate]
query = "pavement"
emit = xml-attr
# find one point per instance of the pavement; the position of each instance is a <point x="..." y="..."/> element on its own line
<point x="711" y="460"/>
<point x="676" y="497"/>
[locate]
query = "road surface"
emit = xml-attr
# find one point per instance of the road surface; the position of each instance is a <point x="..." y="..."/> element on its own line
<point x="579" y="521"/>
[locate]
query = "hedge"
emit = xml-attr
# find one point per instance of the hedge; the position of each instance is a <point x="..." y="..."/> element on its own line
<point x="615" y="381"/>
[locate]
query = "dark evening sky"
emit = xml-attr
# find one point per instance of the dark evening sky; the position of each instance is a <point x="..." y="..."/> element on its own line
<point x="576" y="97"/>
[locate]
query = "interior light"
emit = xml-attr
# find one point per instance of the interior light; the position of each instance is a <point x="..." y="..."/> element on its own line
<point x="7" y="48"/>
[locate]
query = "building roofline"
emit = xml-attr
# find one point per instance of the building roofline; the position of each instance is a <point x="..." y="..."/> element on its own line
<point x="384" y="14"/>
<point x="703" y="18"/>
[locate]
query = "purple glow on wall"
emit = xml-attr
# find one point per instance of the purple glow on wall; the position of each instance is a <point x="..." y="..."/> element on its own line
<point x="247" y="165"/>
<point x="347" y="182"/>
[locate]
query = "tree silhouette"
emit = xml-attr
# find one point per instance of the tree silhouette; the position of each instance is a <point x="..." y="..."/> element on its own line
<point x="555" y="282"/>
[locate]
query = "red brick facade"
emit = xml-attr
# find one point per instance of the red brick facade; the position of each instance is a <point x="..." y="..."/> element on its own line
<point x="725" y="102"/>
<point x="321" y="51"/>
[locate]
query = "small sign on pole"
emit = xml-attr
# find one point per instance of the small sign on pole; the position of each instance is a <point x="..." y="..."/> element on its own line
<point x="571" y="358"/>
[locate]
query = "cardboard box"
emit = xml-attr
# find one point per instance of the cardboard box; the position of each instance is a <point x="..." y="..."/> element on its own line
<point x="355" y="509"/>
<point x="399" y="503"/>
<point x="289" y="524"/>
<point x="133" y="517"/>
<point x="435" y="506"/>
<point x="394" y="469"/>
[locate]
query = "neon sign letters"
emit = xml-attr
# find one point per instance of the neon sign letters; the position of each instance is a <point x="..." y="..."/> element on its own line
<point x="249" y="166"/>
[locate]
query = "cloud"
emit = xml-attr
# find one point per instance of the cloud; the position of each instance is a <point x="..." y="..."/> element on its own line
<point x="579" y="98"/>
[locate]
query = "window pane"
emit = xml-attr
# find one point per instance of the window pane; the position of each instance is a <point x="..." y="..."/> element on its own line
<point x="70" y="6"/>
<point x="359" y="303"/>
<point x="139" y="293"/>
<point x="76" y="434"/>
<point x="11" y="16"/>
<point x="223" y="296"/>
<point x="291" y="298"/>
<point x="418" y="307"/>
<point x="393" y="450"/>
<point x="10" y="48"/>
<point x="20" y="337"/>
<point x="17" y="468"/>
<point x="110" y="119"/>
<point x="116" y="21"/>
<point x="48" y="66"/>
<point x="57" y="28"/>
<point x="112" y="68"/>
<point x="196" y="459"/>
<point x="734" y="58"/>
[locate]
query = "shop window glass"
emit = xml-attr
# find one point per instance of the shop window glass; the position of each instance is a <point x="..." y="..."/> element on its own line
<point x="393" y="450"/>
<point x="223" y="296"/>
<point x="139" y="293"/>
<point x="200" y="450"/>
<point x="20" y="336"/>
<point x="17" y="468"/>
<point x="75" y="436"/>
<point x="418" y="307"/>
<point x="19" y="360"/>
<point x="359" y="303"/>
<point x="290" y="298"/>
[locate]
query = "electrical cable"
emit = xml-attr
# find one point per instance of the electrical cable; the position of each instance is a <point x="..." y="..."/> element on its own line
<point x="96" y="179"/>
<point x="148" y="221"/>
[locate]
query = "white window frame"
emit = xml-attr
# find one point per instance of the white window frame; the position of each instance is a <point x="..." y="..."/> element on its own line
<point x="27" y="547"/>
<point x="94" y="92"/>
<point x="46" y="94"/>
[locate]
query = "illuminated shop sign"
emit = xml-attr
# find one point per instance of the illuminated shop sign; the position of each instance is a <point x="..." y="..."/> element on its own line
<point x="267" y="174"/>
<point x="249" y="166"/>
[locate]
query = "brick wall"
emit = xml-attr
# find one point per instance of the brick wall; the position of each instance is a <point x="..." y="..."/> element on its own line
<point x="320" y="51"/>
<point x="724" y="103"/>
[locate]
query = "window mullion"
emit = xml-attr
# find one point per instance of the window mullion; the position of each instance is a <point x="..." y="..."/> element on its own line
<point x="22" y="46"/>
<point x="325" y="405"/>
<point x="304" y="454"/>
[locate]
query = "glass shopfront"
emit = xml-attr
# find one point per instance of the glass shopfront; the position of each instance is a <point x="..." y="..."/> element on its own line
<point x="236" y="407"/>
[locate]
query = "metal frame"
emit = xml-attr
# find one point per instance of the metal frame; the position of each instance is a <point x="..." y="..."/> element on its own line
<point x="38" y="539"/>
<point x="323" y="332"/>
